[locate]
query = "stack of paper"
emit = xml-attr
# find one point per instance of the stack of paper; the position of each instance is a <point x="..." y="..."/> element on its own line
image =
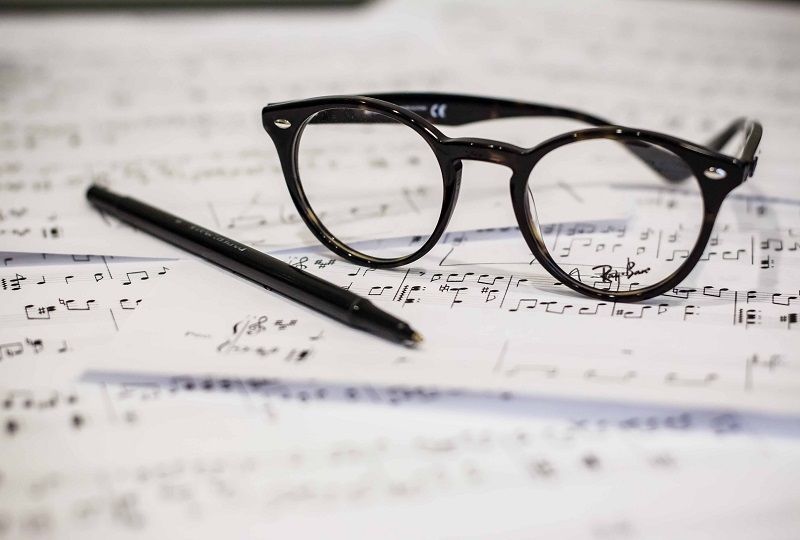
<point x="146" y="393"/>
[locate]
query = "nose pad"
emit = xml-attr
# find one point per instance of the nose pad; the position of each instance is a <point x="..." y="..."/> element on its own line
<point x="483" y="202"/>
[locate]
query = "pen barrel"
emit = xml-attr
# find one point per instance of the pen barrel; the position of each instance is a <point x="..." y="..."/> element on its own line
<point x="367" y="316"/>
<point x="240" y="259"/>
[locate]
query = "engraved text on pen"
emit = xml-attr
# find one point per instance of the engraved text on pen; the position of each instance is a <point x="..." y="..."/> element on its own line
<point x="218" y="238"/>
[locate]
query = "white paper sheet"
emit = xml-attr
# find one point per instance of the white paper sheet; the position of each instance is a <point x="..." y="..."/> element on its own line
<point x="178" y="124"/>
<point x="525" y="332"/>
<point x="59" y="303"/>
<point x="107" y="457"/>
<point x="166" y="108"/>
<point x="196" y="458"/>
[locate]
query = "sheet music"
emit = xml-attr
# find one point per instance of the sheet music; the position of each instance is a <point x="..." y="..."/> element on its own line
<point x="526" y="333"/>
<point x="562" y="415"/>
<point x="263" y="455"/>
<point x="57" y="304"/>
<point x="108" y="457"/>
<point x="219" y="168"/>
<point x="218" y="164"/>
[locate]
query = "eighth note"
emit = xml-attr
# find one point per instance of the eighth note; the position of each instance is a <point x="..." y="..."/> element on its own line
<point x="42" y="312"/>
<point x="141" y="273"/>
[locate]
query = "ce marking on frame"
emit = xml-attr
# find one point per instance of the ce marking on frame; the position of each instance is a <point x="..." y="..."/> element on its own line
<point x="438" y="110"/>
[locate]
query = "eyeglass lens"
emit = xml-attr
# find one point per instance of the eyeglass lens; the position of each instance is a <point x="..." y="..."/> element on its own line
<point x="350" y="158"/>
<point x="617" y="216"/>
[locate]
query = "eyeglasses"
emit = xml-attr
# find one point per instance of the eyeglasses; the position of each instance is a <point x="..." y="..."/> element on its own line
<point x="613" y="212"/>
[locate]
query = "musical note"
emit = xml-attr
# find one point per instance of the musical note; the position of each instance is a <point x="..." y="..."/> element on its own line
<point x="125" y="303"/>
<point x="33" y="312"/>
<point x="140" y="274"/>
<point x="10" y="349"/>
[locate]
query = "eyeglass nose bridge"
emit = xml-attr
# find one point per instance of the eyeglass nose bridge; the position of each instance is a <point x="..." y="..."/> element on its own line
<point x="487" y="150"/>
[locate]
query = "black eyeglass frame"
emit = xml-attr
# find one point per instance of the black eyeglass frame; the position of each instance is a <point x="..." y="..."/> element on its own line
<point x="717" y="173"/>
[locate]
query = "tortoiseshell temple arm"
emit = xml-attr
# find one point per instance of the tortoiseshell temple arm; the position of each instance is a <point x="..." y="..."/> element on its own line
<point x="457" y="110"/>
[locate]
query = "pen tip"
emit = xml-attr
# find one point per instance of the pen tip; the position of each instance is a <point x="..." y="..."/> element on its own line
<point x="415" y="338"/>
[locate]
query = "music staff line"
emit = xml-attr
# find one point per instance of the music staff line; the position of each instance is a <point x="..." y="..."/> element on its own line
<point x="485" y="289"/>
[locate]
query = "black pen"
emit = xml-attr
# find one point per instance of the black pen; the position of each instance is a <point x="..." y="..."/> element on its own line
<point x="276" y="275"/>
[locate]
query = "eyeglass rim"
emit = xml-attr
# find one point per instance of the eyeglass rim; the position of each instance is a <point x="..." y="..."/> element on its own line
<point x="451" y="151"/>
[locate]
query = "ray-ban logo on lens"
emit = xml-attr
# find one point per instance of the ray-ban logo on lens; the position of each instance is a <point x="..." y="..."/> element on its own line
<point x="609" y="274"/>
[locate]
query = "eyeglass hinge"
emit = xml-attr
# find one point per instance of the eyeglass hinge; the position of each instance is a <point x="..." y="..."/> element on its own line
<point x="752" y="167"/>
